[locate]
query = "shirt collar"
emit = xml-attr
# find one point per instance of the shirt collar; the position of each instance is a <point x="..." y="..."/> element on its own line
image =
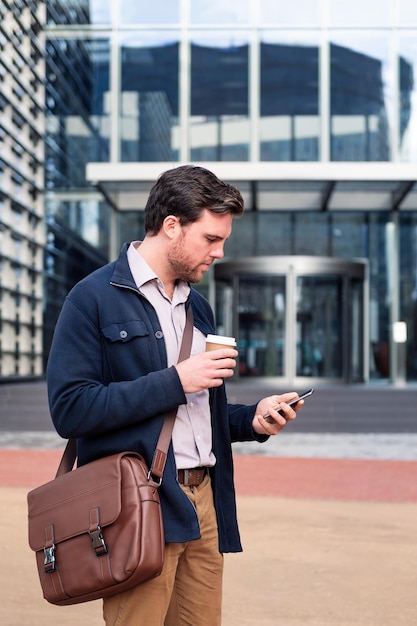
<point x="142" y="273"/>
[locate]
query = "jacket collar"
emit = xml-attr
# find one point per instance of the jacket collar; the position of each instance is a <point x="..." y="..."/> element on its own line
<point x="122" y="276"/>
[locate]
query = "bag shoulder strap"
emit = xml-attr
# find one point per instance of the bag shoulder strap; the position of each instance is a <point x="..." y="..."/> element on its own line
<point x="160" y="456"/>
<point x="68" y="458"/>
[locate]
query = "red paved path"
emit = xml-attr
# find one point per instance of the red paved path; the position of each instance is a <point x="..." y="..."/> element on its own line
<point x="333" y="479"/>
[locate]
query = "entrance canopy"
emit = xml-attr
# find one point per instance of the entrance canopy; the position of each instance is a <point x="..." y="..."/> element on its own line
<point x="280" y="186"/>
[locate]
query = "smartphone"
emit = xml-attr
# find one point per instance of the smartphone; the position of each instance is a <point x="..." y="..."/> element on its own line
<point x="293" y="402"/>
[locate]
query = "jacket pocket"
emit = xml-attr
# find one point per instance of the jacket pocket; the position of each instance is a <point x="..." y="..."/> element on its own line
<point x="124" y="331"/>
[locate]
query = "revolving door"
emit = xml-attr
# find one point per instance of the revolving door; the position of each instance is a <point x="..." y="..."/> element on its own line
<point x="295" y="317"/>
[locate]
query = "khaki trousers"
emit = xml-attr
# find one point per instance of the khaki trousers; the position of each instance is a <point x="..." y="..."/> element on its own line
<point x="189" y="590"/>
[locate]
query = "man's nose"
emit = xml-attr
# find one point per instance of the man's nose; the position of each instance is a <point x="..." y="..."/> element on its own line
<point x="218" y="252"/>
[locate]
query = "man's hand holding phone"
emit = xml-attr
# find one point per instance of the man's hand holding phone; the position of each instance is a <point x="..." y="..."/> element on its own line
<point x="276" y="411"/>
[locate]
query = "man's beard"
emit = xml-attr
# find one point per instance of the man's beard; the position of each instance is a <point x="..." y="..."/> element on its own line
<point x="180" y="264"/>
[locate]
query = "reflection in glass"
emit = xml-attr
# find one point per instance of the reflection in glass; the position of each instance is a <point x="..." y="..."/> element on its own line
<point x="359" y="13"/>
<point x="319" y="326"/>
<point x="379" y="314"/>
<point x="154" y="12"/>
<point x="290" y="13"/>
<point x="219" y="12"/>
<point x="86" y="218"/>
<point x="100" y="11"/>
<point x="77" y="120"/>
<point x="261" y="314"/>
<point x="360" y="97"/>
<point x="349" y="235"/>
<point x="149" y="97"/>
<point x="311" y="234"/>
<point x="79" y="12"/>
<point x="408" y="96"/>
<point x="219" y="98"/>
<point x="407" y="12"/>
<point x="408" y="295"/>
<point x="289" y="98"/>
<point x="340" y="234"/>
<point x="357" y="333"/>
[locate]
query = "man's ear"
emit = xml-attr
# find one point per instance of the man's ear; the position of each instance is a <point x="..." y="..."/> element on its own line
<point x="171" y="226"/>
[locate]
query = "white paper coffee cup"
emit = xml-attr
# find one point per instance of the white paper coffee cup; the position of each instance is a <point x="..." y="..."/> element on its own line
<point x="216" y="342"/>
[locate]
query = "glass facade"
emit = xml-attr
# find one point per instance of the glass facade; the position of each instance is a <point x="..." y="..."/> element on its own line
<point x="289" y="96"/>
<point x="407" y="96"/>
<point x="77" y="130"/>
<point x="148" y="102"/>
<point x="260" y="83"/>
<point x="219" y="128"/>
<point x="339" y="235"/>
<point x="246" y="81"/>
<point x="359" y="97"/>
<point x="252" y="82"/>
<point x="295" y="317"/>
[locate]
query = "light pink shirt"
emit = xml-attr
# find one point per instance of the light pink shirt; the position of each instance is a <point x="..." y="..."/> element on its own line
<point x="192" y="437"/>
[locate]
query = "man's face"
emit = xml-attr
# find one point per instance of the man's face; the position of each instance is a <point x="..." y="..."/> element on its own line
<point x="197" y="245"/>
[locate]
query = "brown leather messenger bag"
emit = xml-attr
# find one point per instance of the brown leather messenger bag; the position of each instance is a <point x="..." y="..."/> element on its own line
<point x="97" y="530"/>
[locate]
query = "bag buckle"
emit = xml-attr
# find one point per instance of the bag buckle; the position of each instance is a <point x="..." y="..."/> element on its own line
<point x="99" y="545"/>
<point x="155" y="479"/>
<point x="49" y="561"/>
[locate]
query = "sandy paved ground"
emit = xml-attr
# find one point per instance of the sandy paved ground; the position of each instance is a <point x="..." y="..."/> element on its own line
<point x="328" y="543"/>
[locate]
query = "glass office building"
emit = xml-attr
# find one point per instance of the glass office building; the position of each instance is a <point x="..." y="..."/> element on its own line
<point x="22" y="233"/>
<point x="309" y="107"/>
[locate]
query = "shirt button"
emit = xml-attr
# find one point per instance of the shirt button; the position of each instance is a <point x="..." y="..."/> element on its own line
<point x="191" y="405"/>
<point x="123" y="334"/>
<point x="159" y="334"/>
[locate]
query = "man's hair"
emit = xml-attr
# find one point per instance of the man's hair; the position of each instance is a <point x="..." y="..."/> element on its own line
<point x="186" y="191"/>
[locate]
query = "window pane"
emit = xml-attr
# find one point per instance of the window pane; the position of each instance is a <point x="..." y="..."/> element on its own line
<point x="349" y="233"/>
<point x="407" y="12"/>
<point x="379" y="315"/>
<point x="311" y="234"/>
<point x="219" y="12"/>
<point x="77" y="119"/>
<point x="360" y="96"/>
<point x="155" y="12"/>
<point x="408" y="96"/>
<point x="100" y="12"/>
<point x="360" y="13"/>
<point x="290" y="13"/>
<point x="149" y="96"/>
<point x="260" y="233"/>
<point x="319" y="326"/>
<point x="408" y="296"/>
<point x="219" y="97"/>
<point x="79" y="12"/>
<point x="66" y="13"/>
<point x="289" y="101"/>
<point x="261" y="336"/>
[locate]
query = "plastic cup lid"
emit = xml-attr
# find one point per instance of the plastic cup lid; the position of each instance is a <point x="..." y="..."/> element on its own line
<point x="230" y="341"/>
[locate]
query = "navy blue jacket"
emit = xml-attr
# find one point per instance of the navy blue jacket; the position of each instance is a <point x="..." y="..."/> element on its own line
<point x="109" y="386"/>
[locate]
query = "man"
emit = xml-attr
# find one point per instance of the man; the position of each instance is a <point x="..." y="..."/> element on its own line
<point x="113" y="374"/>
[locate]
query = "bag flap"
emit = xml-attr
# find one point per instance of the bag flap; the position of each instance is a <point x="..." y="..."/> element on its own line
<point x="66" y="501"/>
